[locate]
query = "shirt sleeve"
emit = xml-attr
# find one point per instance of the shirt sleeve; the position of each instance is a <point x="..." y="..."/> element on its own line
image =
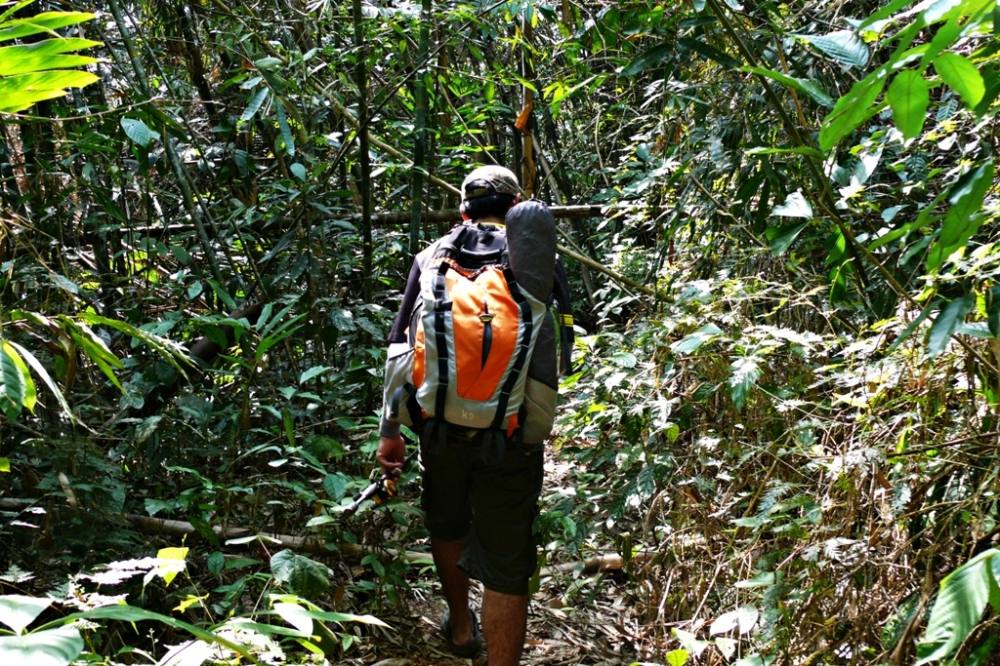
<point x="399" y="330"/>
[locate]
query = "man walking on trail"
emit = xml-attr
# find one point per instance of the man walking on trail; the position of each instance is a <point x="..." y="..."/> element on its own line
<point x="472" y="368"/>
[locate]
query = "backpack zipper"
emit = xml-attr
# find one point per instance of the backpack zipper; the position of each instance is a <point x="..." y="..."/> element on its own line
<point x="486" y="317"/>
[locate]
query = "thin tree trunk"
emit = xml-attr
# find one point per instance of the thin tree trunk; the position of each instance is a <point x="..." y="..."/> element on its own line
<point x="417" y="201"/>
<point x="360" y="76"/>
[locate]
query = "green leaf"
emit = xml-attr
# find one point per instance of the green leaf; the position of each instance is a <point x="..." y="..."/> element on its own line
<point x="965" y="215"/>
<point x="18" y="611"/>
<point x="285" y="132"/>
<point x="647" y="59"/>
<point x="21" y="91"/>
<point x="139" y="132"/>
<point x="4" y="465"/>
<point x="43" y="373"/>
<point x="254" y="106"/>
<point x="126" y="613"/>
<point x="335" y="485"/>
<point x="908" y="98"/>
<point x="12" y="387"/>
<point x="300" y="574"/>
<point x="745" y="373"/>
<point x="30" y="397"/>
<point x="47" y="54"/>
<point x="795" y="205"/>
<point x="843" y="46"/>
<point x="961" y="600"/>
<point x="944" y="326"/>
<point x="693" y="341"/>
<point x="44" y="22"/>
<point x="795" y="150"/>
<point x="962" y="77"/>
<point x="854" y="108"/>
<point x="678" y="657"/>
<point x="993" y="310"/>
<point x="781" y="238"/>
<point x="710" y="52"/>
<point x="54" y="647"/>
<point x="807" y="86"/>
<point x="298" y="170"/>
<point x="297" y="616"/>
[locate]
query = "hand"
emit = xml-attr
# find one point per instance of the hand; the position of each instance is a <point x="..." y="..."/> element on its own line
<point x="390" y="455"/>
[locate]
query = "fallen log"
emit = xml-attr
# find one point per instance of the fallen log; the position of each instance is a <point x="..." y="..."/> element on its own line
<point x="237" y="536"/>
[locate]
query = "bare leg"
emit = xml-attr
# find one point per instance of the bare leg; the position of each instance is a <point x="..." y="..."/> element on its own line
<point x="505" y="620"/>
<point x="455" y="583"/>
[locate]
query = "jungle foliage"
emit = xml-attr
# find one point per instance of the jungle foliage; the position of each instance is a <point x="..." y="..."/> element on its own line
<point x="787" y="434"/>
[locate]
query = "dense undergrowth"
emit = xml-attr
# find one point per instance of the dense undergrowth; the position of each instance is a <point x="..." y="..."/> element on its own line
<point x="784" y="418"/>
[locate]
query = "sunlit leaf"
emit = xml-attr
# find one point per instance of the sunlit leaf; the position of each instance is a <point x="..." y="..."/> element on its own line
<point x="53" y="647"/>
<point x="908" y="97"/>
<point x="962" y="77"/>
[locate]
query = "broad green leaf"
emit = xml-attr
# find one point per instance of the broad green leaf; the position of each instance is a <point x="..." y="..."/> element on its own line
<point x="743" y="619"/>
<point x="254" y="106"/>
<point x="300" y="574"/>
<point x="47" y="54"/>
<point x="43" y="373"/>
<point x="22" y="90"/>
<point x="11" y="384"/>
<point x="139" y="132"/>
<point x="298" y="170"/>
<point x="854" y="108"/>
<point x="313" y="372"/>
<point x="44" y="22"/>
<point x="807" y="86"/>
<point x="962" y="77"/>
<point x="172" y="352"/>
<point x="53" y="647"/>
<point x="284" y="131"/>
<point x="13" y="9"/>
<point x="944" y="326"/>
<point x="297" y="616"/>
<point x="842" y="45"/>
<point x="18" y="611"/>
<point x="795" y="205"/>
<point x="126" y="613"/>
<point x="647" y="59"/>
<point x="169" y="563"/>
<point x="4" y="465"/>
<point x="710" y="52"/>
<point x="335" y="485"/>
<point x="678" y="657"/>
<point x="795" y="150"/>
<point x="693" y="341"/>
<point x="331" y="616"/>
<point x="30" y="396"/>
<point x="745" y="373"/>
<point x="781" y="238"/>
<point x="965" y="215"/>
<point x="961" y="600"/>
<point x="690" y="642"/>
<point x="908" y="98"/>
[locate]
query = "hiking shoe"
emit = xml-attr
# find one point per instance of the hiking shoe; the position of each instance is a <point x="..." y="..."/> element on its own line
<point x="468" y="650"/>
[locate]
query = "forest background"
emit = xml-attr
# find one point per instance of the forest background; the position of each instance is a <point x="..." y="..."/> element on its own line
<point x="780" y="444"/>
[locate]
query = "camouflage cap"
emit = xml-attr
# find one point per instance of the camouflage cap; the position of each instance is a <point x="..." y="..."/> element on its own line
<point x="491" y="179"/>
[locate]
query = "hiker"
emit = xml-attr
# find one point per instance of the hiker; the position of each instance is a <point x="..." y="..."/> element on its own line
<point x="482" y="295"/>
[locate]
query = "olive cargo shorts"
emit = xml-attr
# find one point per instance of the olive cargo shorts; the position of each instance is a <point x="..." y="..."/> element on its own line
<point x="490" y="499"/>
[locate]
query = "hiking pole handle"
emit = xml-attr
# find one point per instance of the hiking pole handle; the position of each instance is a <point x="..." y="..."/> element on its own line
<point x="379" y="491"/>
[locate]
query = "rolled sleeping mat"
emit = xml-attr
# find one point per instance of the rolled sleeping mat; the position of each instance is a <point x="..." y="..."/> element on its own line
<point x="531" y="244"/>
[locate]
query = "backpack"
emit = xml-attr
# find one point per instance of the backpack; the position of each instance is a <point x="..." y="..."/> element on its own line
<point x="471" y="338"/>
